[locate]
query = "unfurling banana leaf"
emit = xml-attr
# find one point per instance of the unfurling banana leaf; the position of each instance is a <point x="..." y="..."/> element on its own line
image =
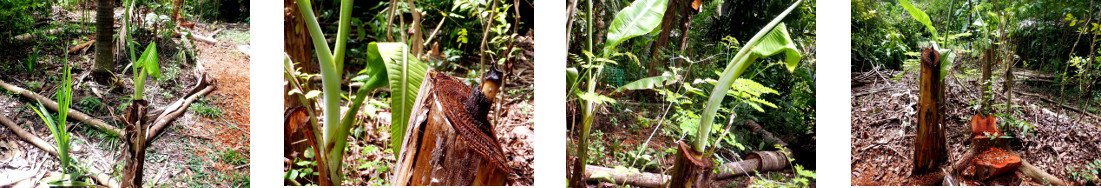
<point x="771" y="40"/>
<point x="405" y="74"/>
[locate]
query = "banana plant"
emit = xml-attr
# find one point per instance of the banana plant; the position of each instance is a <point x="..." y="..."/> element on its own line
<point x="771" y="40"/>
<point x="641" y="17"/>
<point x="147" y="65"/>
<point x="58" y="129"/>
<point x="387" y="64"/>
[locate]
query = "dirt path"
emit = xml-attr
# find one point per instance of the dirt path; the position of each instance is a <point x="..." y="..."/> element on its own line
<point x="229" y="68"/>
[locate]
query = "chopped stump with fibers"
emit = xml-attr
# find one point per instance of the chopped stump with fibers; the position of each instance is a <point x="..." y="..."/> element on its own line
<point x="994" y="162"/>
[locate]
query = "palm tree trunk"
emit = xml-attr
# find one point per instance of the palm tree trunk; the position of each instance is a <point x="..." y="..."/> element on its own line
<point x="104" y="30"/>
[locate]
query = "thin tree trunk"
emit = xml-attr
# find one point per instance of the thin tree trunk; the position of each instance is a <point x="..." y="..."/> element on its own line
<point x="418" y="33"/>
<point x="656" y="60"/>
<point x="104" y="62"/>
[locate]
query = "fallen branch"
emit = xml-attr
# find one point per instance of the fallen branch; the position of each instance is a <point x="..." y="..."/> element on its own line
<point x="95" y="172"/>
<point x="644" y="179"/>
<point x="81" y="46"/>
<point x="1045" y="98"/>
<point x="76" y="115"/>
<point x="749" y="166"/>
<point x="162" y="122"/>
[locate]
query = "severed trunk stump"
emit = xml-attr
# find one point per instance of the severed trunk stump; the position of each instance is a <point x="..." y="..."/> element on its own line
<point x="930" y="144"/>
<point x="134" y="155"/>
<point x="691" y="169"/>
<point x="447" y="142"/>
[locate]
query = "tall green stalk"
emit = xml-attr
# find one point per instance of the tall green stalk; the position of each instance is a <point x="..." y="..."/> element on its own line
<point x="745" y="57"/>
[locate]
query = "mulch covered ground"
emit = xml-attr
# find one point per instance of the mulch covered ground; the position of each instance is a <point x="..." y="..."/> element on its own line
<point x="884" y="124"/>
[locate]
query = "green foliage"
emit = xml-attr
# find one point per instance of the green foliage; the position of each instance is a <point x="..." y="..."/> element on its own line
<point x="232" y="157"/>
<point x="919" y="15"/>
<point x="147" y="65"/>
<point x="405" y="74"/>
<point x="206" y="110"/>
<point x="642" y="17"/>
<point x="648" y="83"/>
<point x="31" y="60"/>
<point x="59" y="129"/>
<point x="19" y="16"/>
<point x="90" y="104"/>
<point x="1088" y="172"/>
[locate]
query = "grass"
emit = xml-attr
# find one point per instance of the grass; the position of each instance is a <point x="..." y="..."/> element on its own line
<point x="89" y="104"/>
<point x="231" y="156"/>
<point x="203" y="107"/>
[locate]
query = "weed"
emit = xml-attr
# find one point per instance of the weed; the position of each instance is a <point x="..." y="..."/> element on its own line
<point x="231" y="156"/>
<point x="34" y="85"/>
<point x="203" y="108"/>
<point x="90" y="103"/>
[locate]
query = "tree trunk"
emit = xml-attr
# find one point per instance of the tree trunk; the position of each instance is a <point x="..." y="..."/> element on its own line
<point x="297" y="45"/>
<point x="417" y="34"/>
<point x="134" y="155"/>
<point x="929" y="143"/>
<point x="104" y="62"/>
<point x="656" y="59"/>
<point x="987" y="95"/>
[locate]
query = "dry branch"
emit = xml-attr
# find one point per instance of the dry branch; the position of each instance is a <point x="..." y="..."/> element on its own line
<point x="1045" y="98"/>
<point x="162" y="122"/>
<point x="95" y="172"/>
<point x="81" y="46"/>
<point x="76" y="115"/>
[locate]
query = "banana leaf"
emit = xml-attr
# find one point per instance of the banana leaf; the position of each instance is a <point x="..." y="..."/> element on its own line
<point x="638" y="19"/>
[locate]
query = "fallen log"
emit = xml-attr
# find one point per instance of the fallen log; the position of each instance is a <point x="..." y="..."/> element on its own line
<point x="1037" y="174"/>
<point x="162" y="122"/>
<point x="76" y="115"/>
<point x="749" y="166"/>
<point x="81" y="46"/>
<point x="643" y="179"/>
<point x="94" y="171"/>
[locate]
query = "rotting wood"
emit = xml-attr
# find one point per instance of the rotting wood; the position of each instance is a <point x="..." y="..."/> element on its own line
<point x="76" y="115"/>
<point x="94" y="171"/>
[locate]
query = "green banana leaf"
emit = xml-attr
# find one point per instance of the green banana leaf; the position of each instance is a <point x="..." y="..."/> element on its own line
<point x="405" y="74"/>
<point x="770" y="40"/>
<point x="638" y="19"/>
<point x="647" y="83"/>
<point x="919" y="16"/>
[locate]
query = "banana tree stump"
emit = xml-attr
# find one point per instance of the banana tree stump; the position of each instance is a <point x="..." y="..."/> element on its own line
<point x="438" y="149"/>
<point x="930" y="145"/>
